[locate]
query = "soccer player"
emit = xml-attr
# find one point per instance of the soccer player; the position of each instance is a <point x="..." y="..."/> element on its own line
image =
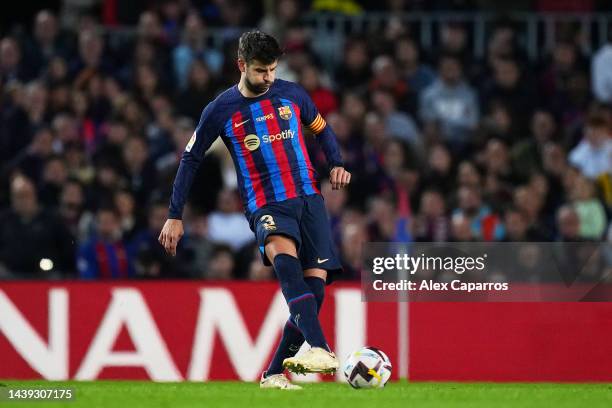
<point x="259" y="120"/>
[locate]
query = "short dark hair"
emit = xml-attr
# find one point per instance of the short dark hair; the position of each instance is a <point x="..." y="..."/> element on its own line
<point x="450" y="56"/>
<point x="597" y="120"/>
<point x="256" y="45"/>
<point x="109" y="208"/>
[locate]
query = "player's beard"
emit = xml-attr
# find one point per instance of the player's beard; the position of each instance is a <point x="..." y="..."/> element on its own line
<point x="256" y="89"/>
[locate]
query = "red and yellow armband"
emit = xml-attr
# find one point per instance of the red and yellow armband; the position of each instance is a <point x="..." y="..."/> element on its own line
<point x="317" y="125"/>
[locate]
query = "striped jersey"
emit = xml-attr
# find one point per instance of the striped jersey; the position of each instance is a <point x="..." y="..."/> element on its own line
<point x="264" y="136"/>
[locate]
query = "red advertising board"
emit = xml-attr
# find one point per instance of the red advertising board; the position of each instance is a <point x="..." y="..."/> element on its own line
<point x="511" y="341"/>
<point x="168" y="331"/>
<point x="175" y="331"/>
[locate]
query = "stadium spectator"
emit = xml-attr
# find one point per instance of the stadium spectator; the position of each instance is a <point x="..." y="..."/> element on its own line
<point x="461" y="229"/>
<point x="484" y="224"/>
<point x="109" y="147"/>
<point x="397" y="124"/>
<point x="386" y="77"/>
<point x="454" y="40"/>
<point x="526" y="154"/>
<point x="527" y="200"/>
<point x="564" y="61"/>
<point x="106" y="254"/>
<point x="227" y="224"/>
<point x="91" y="58"/>
<point x="499" y="175"/>
<point x="54" y="176"/>
<point x="590" y="211"/>
<point x="593" y="155"/>
<point x="354" y="107"/>
<point x="193" y="47"/>
<point x="47" y="41"/>
<point x="568" y="224"/>
<point x="149" y="27"/>
<point x="199" y="92"/>
<point x="33" y="240"/>
<point x="298" y="54"/>
<point x="417" y="75"/>
<point x="147" y="84"/>
<point x="431" y="223"/>
<point x="12" y="66"/>
<point x="324" y="99"/>
<point x="438" y="172"/>
<point x="159" y="130"/>
<point x="515" y="226"/>
<point x="468" y="175"/>
<point x="354" y="71"/>
<point x="196" y="244"/>
<point x="386" y="223"/>
<point x="72" y="208"/>
<point x="512" y="88"/>
<point x="601" y="75"/>
<point x="451" y="103"/>
<point x="354" y="235"/>
<point x="398" y="179"/>
<point x="279" y="16"/>
<point x="130" y="218"/>
<point x="15" y="133"/>
<point x="140" y="171"/>
<point x="31" y="160"/>
<point x="503" y="43"/>
<point x="221" y="265"/>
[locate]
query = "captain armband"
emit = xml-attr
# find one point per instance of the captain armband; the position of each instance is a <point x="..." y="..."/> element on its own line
<point x="317" y="125"/>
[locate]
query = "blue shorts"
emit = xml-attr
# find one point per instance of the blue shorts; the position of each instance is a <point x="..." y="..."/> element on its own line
<point x="303" y="219"/>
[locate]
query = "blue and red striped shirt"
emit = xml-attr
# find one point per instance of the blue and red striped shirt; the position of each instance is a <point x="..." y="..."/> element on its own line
<point x="264" y="136"/>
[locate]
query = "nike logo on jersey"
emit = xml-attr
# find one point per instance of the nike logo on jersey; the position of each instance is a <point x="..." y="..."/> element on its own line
<point x="241" y="123"/>
<point x="319" y="260"/>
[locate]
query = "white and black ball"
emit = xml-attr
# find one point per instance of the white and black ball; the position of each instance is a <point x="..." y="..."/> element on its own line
<point x="367" y="367"/>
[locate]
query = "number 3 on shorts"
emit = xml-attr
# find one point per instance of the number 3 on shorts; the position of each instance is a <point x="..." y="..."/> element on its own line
<point x="268" y="222"/>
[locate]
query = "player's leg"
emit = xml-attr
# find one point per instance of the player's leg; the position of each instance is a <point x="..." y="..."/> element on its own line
<point x="302" y="302"/>
<point x="318" y="258"/>
<point x="278" y="236"/>
<point x="292" y="337"/>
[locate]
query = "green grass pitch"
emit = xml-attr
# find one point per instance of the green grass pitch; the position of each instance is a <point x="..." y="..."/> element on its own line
<point x="124" y="394"/>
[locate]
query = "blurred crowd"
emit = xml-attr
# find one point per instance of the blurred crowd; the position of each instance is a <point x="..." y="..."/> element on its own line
<point x="443" y="146"/>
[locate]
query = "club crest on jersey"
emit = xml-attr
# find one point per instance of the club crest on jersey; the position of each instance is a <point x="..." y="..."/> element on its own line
<point x="285" y="112"/>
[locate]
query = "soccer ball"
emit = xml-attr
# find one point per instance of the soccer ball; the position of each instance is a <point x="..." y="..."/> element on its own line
<point x="367" y="367"/>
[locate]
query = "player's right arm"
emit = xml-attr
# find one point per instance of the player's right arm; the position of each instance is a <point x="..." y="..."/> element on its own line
<point x="204" y="135"/>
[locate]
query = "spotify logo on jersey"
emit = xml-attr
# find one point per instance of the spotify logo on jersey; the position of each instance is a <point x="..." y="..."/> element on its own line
<point x="251" y="142"/>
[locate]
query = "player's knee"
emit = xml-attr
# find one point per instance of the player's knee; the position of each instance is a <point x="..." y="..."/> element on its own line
<point x="279" y="244"/>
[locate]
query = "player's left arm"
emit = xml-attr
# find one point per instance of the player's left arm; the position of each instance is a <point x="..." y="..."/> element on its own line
<point x="311" y="118"/>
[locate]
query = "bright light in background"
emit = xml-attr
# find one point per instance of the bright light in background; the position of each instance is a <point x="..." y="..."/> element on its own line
<point x="46" y="264"/>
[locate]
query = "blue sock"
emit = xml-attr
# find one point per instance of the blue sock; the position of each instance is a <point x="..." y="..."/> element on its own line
<point x="317" y="287"/>
<point x="289" y="345"/>
<point x="300" y="299"/>
<point x="292" y="337"/>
